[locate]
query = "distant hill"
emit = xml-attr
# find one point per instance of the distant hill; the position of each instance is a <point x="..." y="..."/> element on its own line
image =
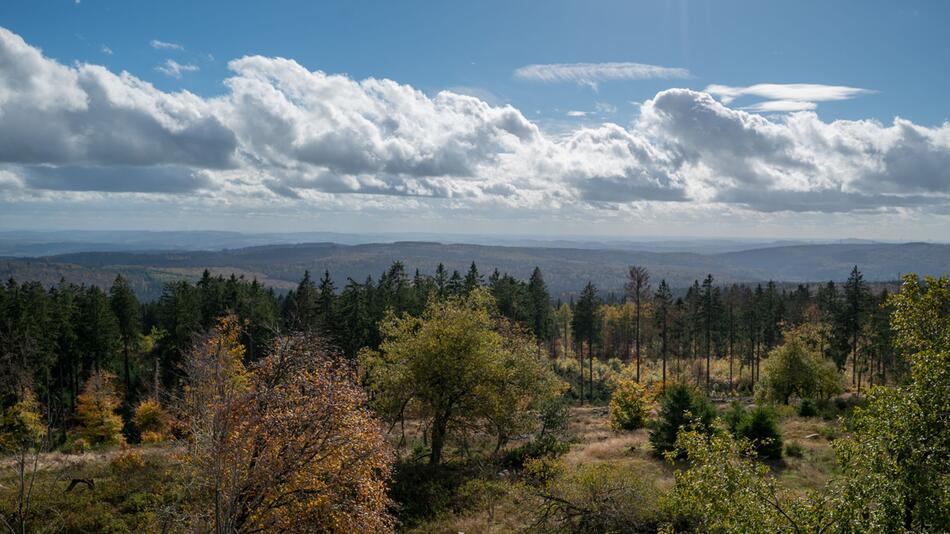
<point x="565" y="269"/>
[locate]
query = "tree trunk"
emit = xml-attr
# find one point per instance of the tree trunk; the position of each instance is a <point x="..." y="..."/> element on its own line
<point x="439" y="428"/>
<point x="128" y="374"/>
<point x="590" y="366"/>
<point x="637" y="339"/>
<point x="580" y="354"/>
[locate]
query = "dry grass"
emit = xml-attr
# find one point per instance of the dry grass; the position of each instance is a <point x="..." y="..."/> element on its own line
<point x="61" y="461"/>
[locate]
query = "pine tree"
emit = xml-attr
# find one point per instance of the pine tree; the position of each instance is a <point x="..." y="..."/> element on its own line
<point x="707" y="314"/>
<point x="326" y="304"/>
<point x="540" y="301"/>
<point x="473" y="280"/>
<point x="304" y="306"/>
<point x="129" y="317"/>
<point x="638" y="289"/>
<point x="98" y="328"/>
<point x="855" y="311"/>
<point x="586" y="325"/>
<point x="441" y="280"/>
<point x="455" y="287"/>
<point x="662" y="318"/>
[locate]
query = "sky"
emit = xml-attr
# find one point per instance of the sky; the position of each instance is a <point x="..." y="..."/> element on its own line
<point x="624" y="119"/>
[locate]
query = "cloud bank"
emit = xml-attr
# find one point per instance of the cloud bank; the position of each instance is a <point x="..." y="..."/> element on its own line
<point x="283" y="133"/>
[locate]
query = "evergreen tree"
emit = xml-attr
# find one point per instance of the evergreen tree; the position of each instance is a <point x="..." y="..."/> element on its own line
<point x="455" y="287"/>
<point x="473" y="280"/>
<point x="638" y="290"/>
<point x="540" y="302"/>
<point x="128" y="314"/>
<point x="662" y="319"/>
<point x="707" y="314"/>
<point x="98" y="329"/>
<point x="854" y="313"/>
<point x="441" y="281"/>
<point x="304" y="315"/>
<point x="586" y="326"/>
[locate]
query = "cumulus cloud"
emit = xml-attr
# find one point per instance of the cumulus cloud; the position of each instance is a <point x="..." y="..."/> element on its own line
<point x="281" y="132"/>
<point x="175" y="69"/>
<point x="591" y="74"/>
<point x="798" y="162"/>
<point x="164" y="45"/>
<point x="87" y="115"/>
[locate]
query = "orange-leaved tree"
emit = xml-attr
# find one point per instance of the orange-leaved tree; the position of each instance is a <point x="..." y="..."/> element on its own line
<point x="286" y="444"/>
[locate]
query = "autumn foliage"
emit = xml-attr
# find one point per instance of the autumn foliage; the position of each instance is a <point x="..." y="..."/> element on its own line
<point x="284" y="445"/>
<point x="96" y="408"/>
<point x="152" y="421"/>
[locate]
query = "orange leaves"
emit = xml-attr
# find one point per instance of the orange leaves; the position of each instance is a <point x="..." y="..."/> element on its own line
<point x="294" y="448"/>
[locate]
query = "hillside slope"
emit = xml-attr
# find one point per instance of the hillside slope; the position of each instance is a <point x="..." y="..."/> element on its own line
<point x="565" y="269"/>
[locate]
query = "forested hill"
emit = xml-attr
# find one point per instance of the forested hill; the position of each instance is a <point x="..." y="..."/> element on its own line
<point x="565" y="269"/>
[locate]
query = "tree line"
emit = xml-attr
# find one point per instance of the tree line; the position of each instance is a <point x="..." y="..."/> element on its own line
<point x="54" y="338"/>
<point x="739" y="324"/>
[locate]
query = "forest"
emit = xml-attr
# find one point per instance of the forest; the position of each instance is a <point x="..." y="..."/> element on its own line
<point x="469" y="401"/>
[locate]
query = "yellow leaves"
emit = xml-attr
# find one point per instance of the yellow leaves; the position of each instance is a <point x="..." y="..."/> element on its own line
<point x="152" y="421"/>
<point x="96" y="406"/>
<point x="21" y="425"/>
<point x="629" y="405"/>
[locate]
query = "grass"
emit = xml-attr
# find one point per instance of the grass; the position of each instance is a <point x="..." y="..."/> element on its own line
<point x="134" y="490"/>
<point x="593" y="442"/>
<point x="145" y="492"/>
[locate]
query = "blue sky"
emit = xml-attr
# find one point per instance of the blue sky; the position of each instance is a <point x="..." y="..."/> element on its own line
<point x="747" y="150"/>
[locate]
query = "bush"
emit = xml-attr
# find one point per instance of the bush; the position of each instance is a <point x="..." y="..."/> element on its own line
<point x="794" y="449"/>
<point x="541" y="447"/>
<point x="680" y="405"/>
<point x="540" y="472"/>
<point x="152" y="420"/>
<point x="807" y="408"/>
<point x="421" y="491"/>
<point x="733" y="415"/>
<point x="798" y="369"/>
<point x="759" y="426"/>
<point x="599" y="498"/>
<point x="128" y="460"/>
<point x="555" y="413"/>
<point x="152" y="437"/>
<point x="628" y="406"/>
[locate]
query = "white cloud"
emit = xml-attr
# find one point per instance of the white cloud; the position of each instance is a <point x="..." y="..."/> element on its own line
<point x="106" y="50"/>
<point x="282" y="133"/>
<point x="774" y="106"/>
<point x="575" y="113"/>
<point x="175" y="69"/>
<point x="786" y="97"/>
<point x="591" y="74"/>
<point x="164" y="45"/>
<point x="797" y="92"/>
